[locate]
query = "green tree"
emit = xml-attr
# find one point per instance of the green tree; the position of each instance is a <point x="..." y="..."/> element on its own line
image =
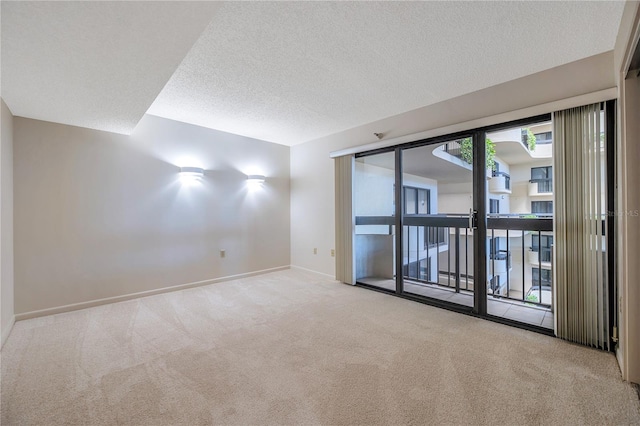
<point x="531" y="140"/>
<point x="466" y="152"/>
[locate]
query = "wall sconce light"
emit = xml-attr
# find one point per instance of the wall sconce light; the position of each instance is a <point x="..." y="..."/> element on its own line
<point x="192" y="172"/>
<point x="255" y="178"/>
<point x="255" y="181"/>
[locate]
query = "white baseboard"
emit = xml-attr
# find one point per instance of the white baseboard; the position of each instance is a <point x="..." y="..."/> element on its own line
<point x="312" y="271"/>
<point x="7" y="331"/>
<point x="115" y="299"/>
<point x="620" y="359"/>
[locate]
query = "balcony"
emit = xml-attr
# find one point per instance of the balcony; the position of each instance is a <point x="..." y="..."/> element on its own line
<point x="446" y="271"/>
<point x="538" y="187"/>
<point x="499" y="262"/>
<point x="500" y="183"/>
<point x="533" y="257"/>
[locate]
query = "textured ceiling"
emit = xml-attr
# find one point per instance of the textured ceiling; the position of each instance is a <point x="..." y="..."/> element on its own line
<point x="293" y="72"/>
<point x="285" y="72"/>
<point x="94" y="64"/>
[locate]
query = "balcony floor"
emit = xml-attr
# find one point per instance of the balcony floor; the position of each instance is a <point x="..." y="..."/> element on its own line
<point x="502" y="308"/>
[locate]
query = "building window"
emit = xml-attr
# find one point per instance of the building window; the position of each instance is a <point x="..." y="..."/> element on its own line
<point x="543" y="138"/>
<point x="417" y="200"/>
<point x="542" y="244"/>
<point x="543" y="176"/>
<point x="541" y="173"/>
<point x="494" y="206"/>
<point x="435" y="236"/>
<point x="541" y="277"/>
<point x="542" y="207"/>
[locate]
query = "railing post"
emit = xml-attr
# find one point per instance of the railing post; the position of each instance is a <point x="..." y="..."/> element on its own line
<point x="524" y="283"/>
<point x="509" y="264"/>
<point x="457" y="261"/>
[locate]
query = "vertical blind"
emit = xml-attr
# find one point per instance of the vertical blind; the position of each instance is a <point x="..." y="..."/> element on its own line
<point x="344" y="219"/>
<point x="580" y="199"/>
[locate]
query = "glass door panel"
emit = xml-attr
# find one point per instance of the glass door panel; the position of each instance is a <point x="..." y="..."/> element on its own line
<point x="437" y="249"/>
<point x="520" y="224"/>
<point x="374" y="208"/>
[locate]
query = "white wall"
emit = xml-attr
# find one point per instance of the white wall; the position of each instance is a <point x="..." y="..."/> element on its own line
<point x="455" y="203"/>
<point x="6" y="224"/>
<point x="373" y="190"/>
<point x="312" y="185"/>
<point x="629" y="221"/>
<point x="100" y="215"/>
<point x="628" y="350"/>
<point x="313" y="206"/>
<point x="628" y="228"/>
<point x="632" y="225"/>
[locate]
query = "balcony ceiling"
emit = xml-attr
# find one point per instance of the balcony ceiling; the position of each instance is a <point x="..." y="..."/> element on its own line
<point x="285" y="72"/>
<point x="513" y="152"/>
<point x="423" y="163"/>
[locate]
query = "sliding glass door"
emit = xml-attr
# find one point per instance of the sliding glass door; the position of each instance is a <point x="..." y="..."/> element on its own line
<point x="463" y="221"/>
<point x="466" y="221"/>
<point x="416" y="227"/>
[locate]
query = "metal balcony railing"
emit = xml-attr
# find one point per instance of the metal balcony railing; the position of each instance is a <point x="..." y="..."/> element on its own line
<point x="453" y="148"/>
<point x="449" y="262"/>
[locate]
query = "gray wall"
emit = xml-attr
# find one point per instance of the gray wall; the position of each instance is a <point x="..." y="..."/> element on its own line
<point x="6" y="223"/>
<point x="101" y="215"/>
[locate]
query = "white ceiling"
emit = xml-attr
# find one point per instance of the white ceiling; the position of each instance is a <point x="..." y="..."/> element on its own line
<point x="285" y="72"/>
<point x="94" y="64"/>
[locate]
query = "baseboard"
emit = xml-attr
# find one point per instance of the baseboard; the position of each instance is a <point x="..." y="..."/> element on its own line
<point x="115" y="299"/>
<point x="7" y="331"/>
<point x="312" y="271"/>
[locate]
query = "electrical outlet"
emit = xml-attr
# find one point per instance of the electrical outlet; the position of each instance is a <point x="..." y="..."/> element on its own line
<point x="315" y="251"/>
<point x="223" y="253"/>
<point x="333" y="253"/>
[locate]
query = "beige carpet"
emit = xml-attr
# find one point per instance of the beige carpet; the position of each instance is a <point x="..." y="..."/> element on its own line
<point x="296" y="348"/>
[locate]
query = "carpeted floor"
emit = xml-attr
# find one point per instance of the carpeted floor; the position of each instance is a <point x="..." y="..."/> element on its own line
<point x="296" y="348"/>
